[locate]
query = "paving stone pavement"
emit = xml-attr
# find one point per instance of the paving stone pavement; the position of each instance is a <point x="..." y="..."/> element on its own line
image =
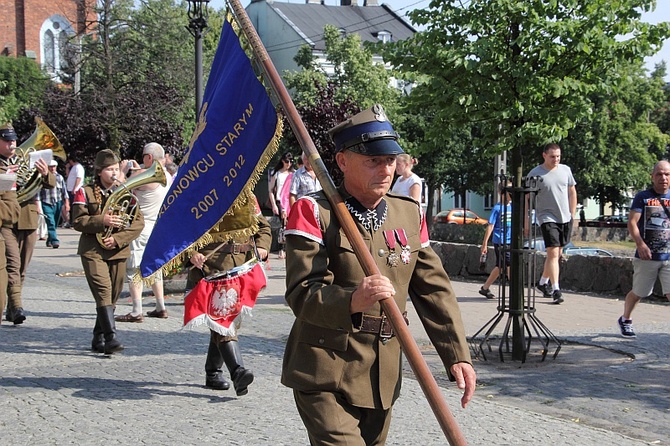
<point x="599" y="390"/>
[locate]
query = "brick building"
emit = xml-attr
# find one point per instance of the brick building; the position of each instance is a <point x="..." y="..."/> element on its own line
<point x="42" y="30"/>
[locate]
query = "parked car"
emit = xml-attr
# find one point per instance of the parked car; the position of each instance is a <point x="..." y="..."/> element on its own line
<point x="459" y="216"/>
<point x="571" y="249"/>
<point x="612" y="221"/>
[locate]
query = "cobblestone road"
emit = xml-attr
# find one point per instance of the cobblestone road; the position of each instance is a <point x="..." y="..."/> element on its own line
<point x="54" y="391"/>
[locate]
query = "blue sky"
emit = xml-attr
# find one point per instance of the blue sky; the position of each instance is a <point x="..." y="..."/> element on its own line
<point x="660" y="14"/>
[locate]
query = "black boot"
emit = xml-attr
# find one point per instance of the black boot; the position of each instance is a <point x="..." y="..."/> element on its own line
<point x="242" y="377"/>
<point x="16" y="315"/>
<point x="213" y="375"/>
<point x="98" y="342"/>
<point x="106" y="318"/>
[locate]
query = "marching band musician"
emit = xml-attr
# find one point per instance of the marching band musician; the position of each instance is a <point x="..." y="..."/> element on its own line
<point x="223" y="254"/>
<point x="20" y="238"/>
<point x="9" y="214"/>
<point x="105" y="267"/>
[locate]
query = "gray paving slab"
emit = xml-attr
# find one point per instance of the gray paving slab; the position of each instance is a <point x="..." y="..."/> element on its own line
<point x="600" y="389"/>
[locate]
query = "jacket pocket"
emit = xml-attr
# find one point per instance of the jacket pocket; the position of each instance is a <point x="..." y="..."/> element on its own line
<point x="324" y="337"/>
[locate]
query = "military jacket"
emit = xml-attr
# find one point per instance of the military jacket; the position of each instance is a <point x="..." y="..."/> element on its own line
<point x="9" y="214"/>
<point x="88" y="219"/>
<point x="9" y="208"/>
<point x="324" y="352"/>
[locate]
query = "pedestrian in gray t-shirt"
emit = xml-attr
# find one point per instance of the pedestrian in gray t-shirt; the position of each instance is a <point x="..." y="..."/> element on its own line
<point x="556" y="205"/>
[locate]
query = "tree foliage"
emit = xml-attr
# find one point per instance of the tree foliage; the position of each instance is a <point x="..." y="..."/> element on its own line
<point x="356" y="76"/>
<point x="524" y="72"/>
<point x="23" y="85"/>
<point x="136" y="67"/>
<point x="325" y="99"/>
<point x="615" y="149"/>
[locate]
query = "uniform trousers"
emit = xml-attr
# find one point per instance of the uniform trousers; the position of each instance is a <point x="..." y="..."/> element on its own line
<point x="105" y="279"/>
<point x="19" y="246"/>
<point x="331" y="420"/>
<point x="3" y="276"/>
<point x="52" y="215"/>
<point x="27" y="238"/>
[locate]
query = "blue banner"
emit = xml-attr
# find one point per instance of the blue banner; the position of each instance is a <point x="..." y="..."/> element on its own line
<point x="226" y="156"/>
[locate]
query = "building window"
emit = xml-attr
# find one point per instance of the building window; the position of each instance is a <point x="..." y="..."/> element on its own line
<point x="384" y="36"/>
<point x="458" y="203"/>
<point x="49" y="52"/>
<point x="55" y="36"/>
<point x="489" y="201"/>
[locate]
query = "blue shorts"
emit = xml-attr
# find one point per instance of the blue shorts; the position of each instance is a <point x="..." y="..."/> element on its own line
<point x="508" y="255"/>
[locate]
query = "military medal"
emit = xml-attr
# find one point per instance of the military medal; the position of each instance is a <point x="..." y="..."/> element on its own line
<point x="405" y="254"/>
<point x="393" y="259"/>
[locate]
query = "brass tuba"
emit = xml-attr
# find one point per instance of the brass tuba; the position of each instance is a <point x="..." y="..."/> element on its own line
<point x="28" y="181"/>
<point x="123" y="202"/>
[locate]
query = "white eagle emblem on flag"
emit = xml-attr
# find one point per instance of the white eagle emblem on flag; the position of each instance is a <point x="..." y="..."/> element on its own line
<point x="224" y="302"/>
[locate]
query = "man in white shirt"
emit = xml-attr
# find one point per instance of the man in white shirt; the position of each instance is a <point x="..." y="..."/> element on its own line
<point x="75" y="180"/>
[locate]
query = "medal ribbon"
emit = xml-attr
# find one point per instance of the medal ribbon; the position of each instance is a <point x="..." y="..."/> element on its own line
<point x="402" y="237"/>
<point x="390" y="239"/>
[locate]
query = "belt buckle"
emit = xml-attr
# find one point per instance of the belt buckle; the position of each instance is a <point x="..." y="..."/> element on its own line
<point x="235" y="249"/>
<point x="385" y="335"/>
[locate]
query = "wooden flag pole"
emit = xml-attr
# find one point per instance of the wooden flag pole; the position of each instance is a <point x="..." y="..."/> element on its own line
<point x="408" y="344"/>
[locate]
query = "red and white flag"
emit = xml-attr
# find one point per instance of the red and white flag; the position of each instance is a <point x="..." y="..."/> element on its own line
<point x="222" y="300"/>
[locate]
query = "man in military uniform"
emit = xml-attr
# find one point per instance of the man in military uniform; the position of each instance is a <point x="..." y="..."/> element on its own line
<point x="342" y="359"/>
<point x="230" y="248"/>
<point x="20" y="238"/>
<point x="9" y="214"/>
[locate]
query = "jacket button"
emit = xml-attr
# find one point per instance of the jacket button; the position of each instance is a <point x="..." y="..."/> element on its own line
<point x="321" y="341"/>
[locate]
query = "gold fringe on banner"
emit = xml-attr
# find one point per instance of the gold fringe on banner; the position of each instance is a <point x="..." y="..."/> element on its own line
<point x="235" y="223"/>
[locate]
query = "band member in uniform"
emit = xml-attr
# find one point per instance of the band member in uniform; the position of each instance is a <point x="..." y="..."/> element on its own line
<point x="342" y="359"/>
<point x="9" y="213"/>
<point x="105" y="267"/>
<point x="217" y="257"/>
<point x="20" y="239"/>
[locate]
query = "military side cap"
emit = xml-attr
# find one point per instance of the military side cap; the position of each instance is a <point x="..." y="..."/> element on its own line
<point x="368" y="133"/>
<point x="7" y="132"/>
<point x="104" y="158"/>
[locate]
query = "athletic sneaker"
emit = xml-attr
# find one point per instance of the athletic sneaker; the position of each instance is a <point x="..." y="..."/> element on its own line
<point x="486" y="293"/>
<point x="546" y="291"/>
<point x="557" y="296"/>
<point x="626" y="327"/>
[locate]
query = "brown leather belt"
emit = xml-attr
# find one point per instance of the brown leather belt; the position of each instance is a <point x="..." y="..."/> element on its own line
<point x="236" y="248"/>
<point x="379" y="325"/>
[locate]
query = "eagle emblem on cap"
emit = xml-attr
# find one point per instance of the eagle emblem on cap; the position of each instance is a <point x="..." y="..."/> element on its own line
<point x="380" y="114"/>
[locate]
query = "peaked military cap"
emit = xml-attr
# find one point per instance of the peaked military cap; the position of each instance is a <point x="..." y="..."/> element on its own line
<point x="368" y="133"/>
<point x="7" y="132"/>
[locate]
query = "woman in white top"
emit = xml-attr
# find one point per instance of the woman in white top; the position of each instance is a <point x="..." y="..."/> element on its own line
<point x="278" y="177"/>
<point x="408" y="183"/>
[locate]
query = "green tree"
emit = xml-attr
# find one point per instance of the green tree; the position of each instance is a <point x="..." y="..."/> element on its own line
<point x="661" y="116"/>
<point x="136" y="67"/>
<point x="524" y="72"/>
<point x="356" y="76"/>
<point x="324" y="100"/>
<point x="23" y="85"/>
<point x="615" y="149"/>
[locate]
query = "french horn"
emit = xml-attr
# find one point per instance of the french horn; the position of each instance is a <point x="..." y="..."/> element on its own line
<point x="122" y="202"/>
<point x="29" y="181"/>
